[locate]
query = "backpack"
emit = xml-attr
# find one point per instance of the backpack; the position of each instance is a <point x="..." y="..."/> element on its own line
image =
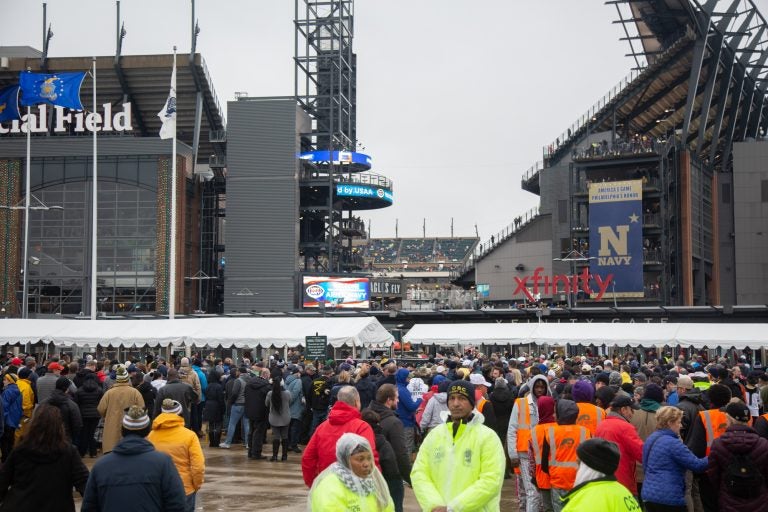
<point x="742" y="479"/>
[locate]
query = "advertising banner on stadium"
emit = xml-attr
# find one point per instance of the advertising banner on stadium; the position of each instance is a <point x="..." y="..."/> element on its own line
<point x="616" y="236"/>
<point x="344" y="190"/>
<point x="336" y="292"/>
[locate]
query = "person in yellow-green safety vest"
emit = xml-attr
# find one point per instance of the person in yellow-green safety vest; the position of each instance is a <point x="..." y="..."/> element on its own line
<point x="352" y="482"/>
<point x="595" y="487"/>
<point x="460" y="465"/>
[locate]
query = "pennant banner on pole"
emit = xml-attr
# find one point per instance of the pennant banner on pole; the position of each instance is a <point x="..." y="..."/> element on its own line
<point x="168" y="114"/>
<point x="62" y="89"/>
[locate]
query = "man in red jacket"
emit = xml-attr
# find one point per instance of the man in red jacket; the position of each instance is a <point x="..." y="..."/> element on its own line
<point x="344" y="417"/>
<point x="617" y="429"/>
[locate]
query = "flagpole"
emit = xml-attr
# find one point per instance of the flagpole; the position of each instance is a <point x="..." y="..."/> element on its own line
<point x="94" y="205"/>
<point x="172" y="272"/>
<point x="28" y="198"/>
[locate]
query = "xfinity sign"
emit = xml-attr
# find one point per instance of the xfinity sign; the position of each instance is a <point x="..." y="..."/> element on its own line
<point x="65" y="119"/>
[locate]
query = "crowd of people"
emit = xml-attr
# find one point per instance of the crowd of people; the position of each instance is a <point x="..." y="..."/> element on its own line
<point x="567" y="433"/>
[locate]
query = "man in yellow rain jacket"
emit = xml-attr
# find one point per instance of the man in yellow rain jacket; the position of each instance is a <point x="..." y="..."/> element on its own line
<point x="460" y="465"/>
<point x="27" y="400"/>
<point x="170" y="436"/>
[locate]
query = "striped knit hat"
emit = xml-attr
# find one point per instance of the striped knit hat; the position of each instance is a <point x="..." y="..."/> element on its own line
<point x="121" y="374"/>
<point x="135" y="418"/>
<point x="171" y="406"/>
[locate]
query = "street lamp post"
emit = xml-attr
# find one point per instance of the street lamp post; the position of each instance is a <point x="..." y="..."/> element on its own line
<point x="573" y="257"/>
<point x="26" y="205"/>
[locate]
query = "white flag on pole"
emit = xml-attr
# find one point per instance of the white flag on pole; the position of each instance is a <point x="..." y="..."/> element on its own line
<point x="168" y="114"/>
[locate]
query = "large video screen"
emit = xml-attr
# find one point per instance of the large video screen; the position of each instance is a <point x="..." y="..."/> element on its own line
<point x="336" y="292"/>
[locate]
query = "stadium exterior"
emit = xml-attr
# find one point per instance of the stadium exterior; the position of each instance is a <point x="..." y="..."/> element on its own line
<point x="687" y="129"/>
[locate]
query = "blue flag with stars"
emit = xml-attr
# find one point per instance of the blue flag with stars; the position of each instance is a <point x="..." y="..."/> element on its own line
<point x="9" y="103"/>
<point x="61" y="89"/>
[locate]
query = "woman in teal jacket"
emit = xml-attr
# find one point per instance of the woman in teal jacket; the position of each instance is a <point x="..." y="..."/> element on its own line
<point x="352" y="482"/>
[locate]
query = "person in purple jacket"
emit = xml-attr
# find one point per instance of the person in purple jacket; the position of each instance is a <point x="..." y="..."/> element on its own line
<point x="665" y="460"/>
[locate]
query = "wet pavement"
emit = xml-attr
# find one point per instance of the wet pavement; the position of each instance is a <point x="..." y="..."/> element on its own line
<point x="234" y="483"/>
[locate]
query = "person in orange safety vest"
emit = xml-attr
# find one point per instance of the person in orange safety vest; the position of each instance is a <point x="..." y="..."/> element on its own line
<point x="559" y="451"/>
<point x="590" y="415"/>
<point x="546" y="407"/>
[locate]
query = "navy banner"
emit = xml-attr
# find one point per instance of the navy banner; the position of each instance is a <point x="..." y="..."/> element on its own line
<point x="616" y="236"/>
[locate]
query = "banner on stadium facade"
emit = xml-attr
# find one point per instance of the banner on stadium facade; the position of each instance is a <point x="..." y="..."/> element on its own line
<point x="336" y="292"/>
<point x="616" y="236"/>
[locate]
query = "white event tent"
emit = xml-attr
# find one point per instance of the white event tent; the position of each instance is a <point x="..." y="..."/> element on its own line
<point x="241" y="332"/>
<point x="695" y="335"/>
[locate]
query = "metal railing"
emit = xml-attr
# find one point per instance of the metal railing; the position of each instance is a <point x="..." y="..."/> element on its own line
<point x="586" y="118"/>
<point x="532" y="171"/>
<point x="213" y="91"/>
<point x="365" y="178"/>
<point x="482" y="249"/>
<point x="640" y="146"/>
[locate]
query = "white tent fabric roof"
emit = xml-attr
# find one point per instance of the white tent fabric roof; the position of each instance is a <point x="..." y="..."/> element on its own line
<point x="611" y="334"/>
<point x="470" y="334"/>
<point x="229" y="332"/>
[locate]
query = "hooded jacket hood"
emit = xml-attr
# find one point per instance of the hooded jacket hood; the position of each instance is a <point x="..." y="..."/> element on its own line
<point x="133" y="445"/>
<point x="382" y="410"/>
<point x="401" y="377"/>
<point x="533" y="381"/>
<point x="440" y="397"/>
<point x="342" y="413"/>
<point x="167" y="420"/>
<point x="258" y="383"/>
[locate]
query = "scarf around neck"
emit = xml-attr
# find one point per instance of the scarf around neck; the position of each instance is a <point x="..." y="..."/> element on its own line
<point x="360" y="486"/>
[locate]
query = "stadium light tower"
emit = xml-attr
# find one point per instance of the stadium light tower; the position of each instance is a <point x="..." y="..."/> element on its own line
<point x="572" y="258"/>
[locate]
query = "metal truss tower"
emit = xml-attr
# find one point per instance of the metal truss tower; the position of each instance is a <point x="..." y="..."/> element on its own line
<point x="325" y="75"/>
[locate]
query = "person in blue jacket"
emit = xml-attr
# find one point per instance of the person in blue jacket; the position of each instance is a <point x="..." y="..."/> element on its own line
<point x="134" y="476"/>
<point x="406" y="409"/>
<point x="665" y="461"/>
<point x="12" y="412"/>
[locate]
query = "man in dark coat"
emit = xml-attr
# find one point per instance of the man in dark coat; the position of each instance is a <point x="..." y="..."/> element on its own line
<point x="690" y="404"/>
<point x="385" y="405"/>
<point x="134" y="473"/>
<point x="70" y="412"/>
<point x="176" y="390"/>
<point x="257" y="412"/>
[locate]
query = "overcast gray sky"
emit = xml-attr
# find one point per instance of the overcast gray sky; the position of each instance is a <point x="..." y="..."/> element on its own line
<point x="455" y="98"/>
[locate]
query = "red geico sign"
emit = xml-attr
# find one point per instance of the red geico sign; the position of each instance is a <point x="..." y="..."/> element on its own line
<point x="548" y="285"/>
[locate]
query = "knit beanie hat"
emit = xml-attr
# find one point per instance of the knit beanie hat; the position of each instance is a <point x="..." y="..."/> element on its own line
<point x="614" y="379"/>
<point x="583" y="391"/>
<point x="135" y="418"/>
<point x="437" y="379"/>
<point x="546" y="407"/>
<point x="654" y="392"/>
<point x="463" y="388"/>
<point x="184" y="361"/>
<point x="567" y="412"/>
<point x="600" y="455"/>
<point x="171" y="406"/>
<point x="121" y="374"/>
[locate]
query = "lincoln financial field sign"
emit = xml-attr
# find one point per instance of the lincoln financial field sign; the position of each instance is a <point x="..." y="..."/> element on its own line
<point x="65" y="120"/>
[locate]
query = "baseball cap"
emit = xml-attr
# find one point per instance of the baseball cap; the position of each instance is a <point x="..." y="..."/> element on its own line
<point x="738" y="411"/>
<point x="55" y="366"/>
<point x="622" y="400"/>
<point x="478" y="380"/>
